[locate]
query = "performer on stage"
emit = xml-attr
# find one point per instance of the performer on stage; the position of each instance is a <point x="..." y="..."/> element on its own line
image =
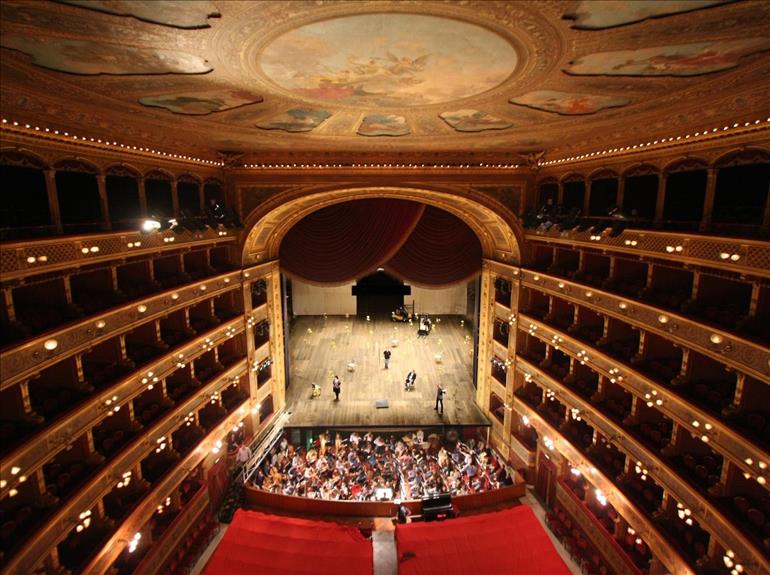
<point x="440" y="391"/>
<point x="336" y="387"/>
<point x="409" y="383"/>
<point x="386" y="355"/>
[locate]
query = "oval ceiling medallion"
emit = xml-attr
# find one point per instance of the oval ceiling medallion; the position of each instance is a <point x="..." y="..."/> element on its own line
<point x="388" y="60"/>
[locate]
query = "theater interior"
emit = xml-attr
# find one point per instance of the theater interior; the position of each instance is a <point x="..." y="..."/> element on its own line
<point x="212" y="207"/>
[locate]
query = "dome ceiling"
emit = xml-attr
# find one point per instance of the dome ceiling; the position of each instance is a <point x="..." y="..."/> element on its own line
<point x="384" y="81"/>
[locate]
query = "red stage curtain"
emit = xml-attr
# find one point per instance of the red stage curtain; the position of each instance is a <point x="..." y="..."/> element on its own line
<point x="512" y="542"/>
<point x="261" y="544"/>
<point x="441" y="250"/>
<point x="348" y="240"/>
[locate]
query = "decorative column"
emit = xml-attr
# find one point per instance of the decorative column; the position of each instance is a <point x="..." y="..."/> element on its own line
<point x="587" y="198"/>
<point x="766" y="218"/>
<point x="53" y="200"/>
<point x="660" y="201"/>
<point x="101" y="181"/>
<point x="175" y="197"/>
<point x="142" y="196"/>
<point x="621" y="192"/>
<point x="708" y="202"/>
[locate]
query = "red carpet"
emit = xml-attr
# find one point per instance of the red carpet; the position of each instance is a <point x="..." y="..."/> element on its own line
<point x="258" y="543"/>
<point x="509" y="542"/>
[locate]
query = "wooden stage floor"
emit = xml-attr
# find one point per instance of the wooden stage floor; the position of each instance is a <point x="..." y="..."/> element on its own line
<point x="320" y="346"/>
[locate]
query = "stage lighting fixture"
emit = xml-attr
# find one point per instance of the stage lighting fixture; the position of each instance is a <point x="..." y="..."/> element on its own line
<point x="150" y="225"/>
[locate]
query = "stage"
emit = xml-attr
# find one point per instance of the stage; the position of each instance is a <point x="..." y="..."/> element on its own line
<point x="320" y="347"/>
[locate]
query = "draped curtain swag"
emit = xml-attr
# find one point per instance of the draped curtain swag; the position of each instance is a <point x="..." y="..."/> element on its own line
<point x="421" y="244"/>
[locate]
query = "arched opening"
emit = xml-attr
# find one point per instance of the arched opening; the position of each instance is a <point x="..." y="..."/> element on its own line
<point x="24" y="211"/>
<point x="78" y="193"/>
<point x="287" y="233"/>
<point x="122" y="185"/>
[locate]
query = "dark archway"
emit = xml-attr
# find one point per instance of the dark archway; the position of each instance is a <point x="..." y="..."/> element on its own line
<point x="378" y="294"/>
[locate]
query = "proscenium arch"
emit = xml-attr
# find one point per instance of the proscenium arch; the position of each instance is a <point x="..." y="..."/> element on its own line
<point x="499" y="231"/>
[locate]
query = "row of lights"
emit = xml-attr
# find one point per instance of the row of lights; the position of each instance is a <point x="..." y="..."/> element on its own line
<point x="664" y="141"/>
<point x="413" y="166"/>
<point x="707" y="430"/>
<point x="761" y="474"/>
<point x="15" y="472"/>
<point x="125" y="479"/>
<point x="111" y="143"/>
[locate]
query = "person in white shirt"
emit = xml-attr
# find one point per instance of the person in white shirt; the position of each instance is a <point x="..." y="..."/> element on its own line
<point x="243" y="455"/>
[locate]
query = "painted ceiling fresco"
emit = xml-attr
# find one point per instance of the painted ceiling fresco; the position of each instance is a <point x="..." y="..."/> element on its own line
<point x="199" y="103"/>
<point x="598" y="14"/>
<point x="474" y="121"/>
<point x="388" y="60"/>
<point x="187" y="14"/>
<point x="95" y="57"/>
<point x="568" y="104"/>
<point x="383" y="125"/>
<point x="672" y="60"/>
<point x="386" y="80"/>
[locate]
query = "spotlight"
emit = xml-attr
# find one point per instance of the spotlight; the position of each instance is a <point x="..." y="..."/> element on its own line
<point x="150" y="225"/>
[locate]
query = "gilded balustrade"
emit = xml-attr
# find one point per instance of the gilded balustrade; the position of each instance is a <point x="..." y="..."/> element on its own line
<point x="138" y="518"/>
<point x="22" y="361"/>
<point x="34" y="452"/>
<point x="26" y="258"/>
<point x="706" y="513"/>
<point x="59" y="525"/>
<point x="753" y="256"/>
<point x="725" y="347"/>
<point x="656" y="541"/>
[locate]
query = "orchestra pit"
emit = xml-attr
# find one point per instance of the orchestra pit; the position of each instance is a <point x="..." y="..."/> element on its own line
<point x="385" y="287"/>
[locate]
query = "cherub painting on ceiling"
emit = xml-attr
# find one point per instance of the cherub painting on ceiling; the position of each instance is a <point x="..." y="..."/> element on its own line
<point x="204" y="102"/>
<point x="296" y="120"/>
<point x="568" y="103"/>
<point x="474" y="121"/>
<point x="674" y="60"/>
<point x="388" y="60"/>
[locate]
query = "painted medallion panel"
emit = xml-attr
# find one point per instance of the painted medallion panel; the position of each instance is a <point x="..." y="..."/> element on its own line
<point x="388" y="60"/>
<point x="598" y="14"/>
<point x="672" y="60"/>
<point x="383" y="125"/>
<point x="296" y="120"/>
<point x="568" y="103"/>
<point x="473" y="121"/>
<point x="203" y="102"/>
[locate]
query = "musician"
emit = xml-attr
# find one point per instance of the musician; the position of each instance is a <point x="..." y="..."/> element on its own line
<point x="410" y="377"/>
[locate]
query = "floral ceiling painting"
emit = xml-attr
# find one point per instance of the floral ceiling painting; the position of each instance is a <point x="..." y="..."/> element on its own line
<point x="93" y="57"/>
<point x="672" y="60"/>
<point x="383" y="125"/>
<point x="187" y="14"/>
<point x="200" y="103"/>
<point x="599" y="14"/>
<point x="567" y="103"/>
<point x="474" y="121"/>
<point x="296" y="120"/>
<point x="388" y="60"/>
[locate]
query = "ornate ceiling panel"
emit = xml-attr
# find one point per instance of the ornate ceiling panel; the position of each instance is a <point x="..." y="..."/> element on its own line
<point x="320" y="81"/>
